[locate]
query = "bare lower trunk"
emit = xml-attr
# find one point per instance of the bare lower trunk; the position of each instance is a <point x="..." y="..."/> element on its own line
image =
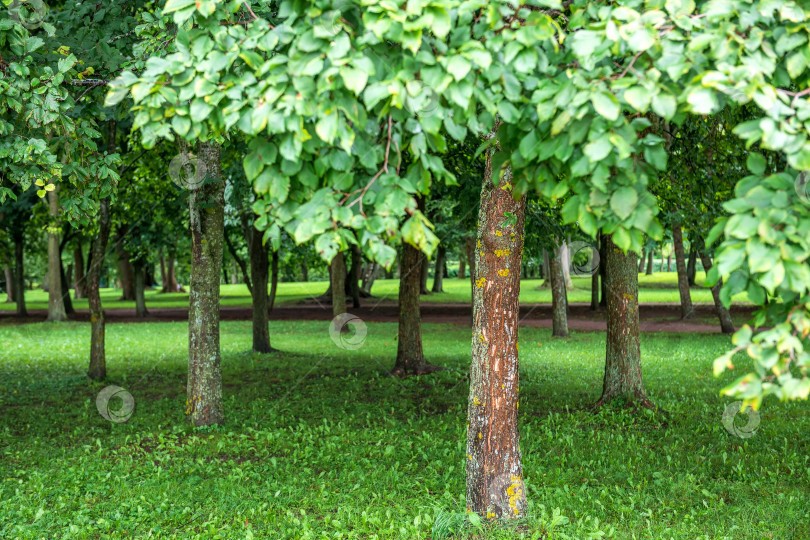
<point x="206" y="218"/>
<point x="79" y="279"/>
<point x="139" y="271"/>
<point x="641" y="260"/>
<point x="9" y="284"/>
<point x="547" y="269"/>
<point x="304" y="272"/>
<point x="622" y="352"/>
<point x="273" y="279"/>
<point x="98" y="247"/>
<point x="125" y="271"/>
<point x="726" y="324"/>
<point x="369" y="277"/>
<point x="424" y="270"/>
<point x="410" y="358"/>
<point x="650" y="262"/>
<point x="56" y="304"/>
<point x="337" y="277"/>
<point x="354" y="275"/>
<point x="438" y="270"/>
<point x="687" y="310"/>
<point x="495" y="487"/>
<point x="669" y="262"/>
<point x="565" y="262"/>
<point x="64" y="281"/>
<point x="462" y="267"/>
<point x="559" y="298"/>
<point x="259" y="268"/>
<point x="691" y="266"/>
<point x="19" y="273"/>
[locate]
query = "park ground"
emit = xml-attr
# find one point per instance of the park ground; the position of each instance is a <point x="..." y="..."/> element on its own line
<point x="320" y="442"/>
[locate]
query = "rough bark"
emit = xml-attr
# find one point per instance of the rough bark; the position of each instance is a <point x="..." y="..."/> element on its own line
<point x="337" y="277"/>
<point x="622" y="351"/>
<point x="19" y="273"/>
<point x="206" y="217"/>
<point x="687" y="309"/>
<point x="691" y="265"/>
<point x="726" y="324"/>
<point x="139" y="271"/>
<point x="79" y="279"/>
<point x="559" y="298"/>
<point x="438" y="269"/>
<point x="98" y="362"/>
<point x="354" y="275"/>
<point x="56" y="304"/>
<point x="495" y="487"/>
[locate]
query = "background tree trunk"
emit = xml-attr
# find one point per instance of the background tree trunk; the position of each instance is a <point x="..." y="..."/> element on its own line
<point x="9" y="284"/>
<point x="546" y="269"/>
<point x="273" y="279"/>
<point x="79" y="279"/>
<point x="438" y="269"/>
<point x="369" y="277"/>
<point x="139" y="271"/>
<point x="337" y="278"/>
<point x="410" y="358"/>
<point x="259" y="272"/>
<point x="650" y="262"/>
<point x="304" y="272"/>
<point x="98" y="247"/>
<point x="669" y="262"/>
<point x="64" y="283"/>
<point x="19" y="273"/>
<point x="559" y="298"/>
<point x="354" y="275"/>
<point x="424" y="270"/>
<point x="125" y="271"/>
<point x="622" y="351"/>
<point x="462" y="266"/>
<point x="495" y="485"/>
<point x="56" y="304"/>
<point x="691" y="266"/>
<point x="687" y="310"/>
<point x="206" y="217"/>
<point x="641" y="260"/>
<point x="565" y="261"/>
<point x="726" y="324"/>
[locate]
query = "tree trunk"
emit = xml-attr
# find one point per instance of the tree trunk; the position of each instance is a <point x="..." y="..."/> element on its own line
<point x="259" y="272"/>
<point x="304" y="272"/>
<point x="565" y="262"/>
<point x="19" y="273"/>
<point x="98" y="247"/>
<point x="691" y="266"/>
<point x="641" y="260"/>
<point x="462" y="267"/>
<point x="669" y="262"/>
<point x="687" y="310"/>
<point x="354" y="275"/>
<point x="125" y="271"/>
<point x="206" y="217"/>
<point x="559" y="297"/>
<point x="650" y="262"/>
<point x="337" y="277"/>
<point x="273" y="279"/>
<point x="602" y="269"/>
<point x="726" y="324"/>
<point x="64" y="282"/>
<point x="410" y="358"/>
<point x="470" y="249"/>
<point x="622" y="351"/>
<point x="495" y="486"/>
<point x="79" y="279"/>
<point x="424" y="270"/>
<point x="595" y="287"/>
<point x="369" y="277"/>
<point x="139" y="275"/>
<point x="9" y="284"/>
<point x="56" y="304"/>
<point x="438" y="269"/>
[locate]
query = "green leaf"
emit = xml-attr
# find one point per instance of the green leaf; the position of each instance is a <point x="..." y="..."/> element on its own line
<point x="623" y="201"/>
<point x="756" y="163"/>
<point x="664" y="106"/>
<point x="638" y="97"/>
<point x="599" y="149"/>
<point x="174" y="5"/>
<point x="606" y="105"/>
<point x="354" y="79"/>
<point x="458" y="67"/>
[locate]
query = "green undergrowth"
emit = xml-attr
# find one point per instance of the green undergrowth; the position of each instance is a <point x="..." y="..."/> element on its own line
<point x="321" y="443"/>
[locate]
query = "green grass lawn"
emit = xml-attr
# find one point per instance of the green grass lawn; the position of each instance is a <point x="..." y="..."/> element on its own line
<point x="320" y="443"/>
<point x="661" y="287"/>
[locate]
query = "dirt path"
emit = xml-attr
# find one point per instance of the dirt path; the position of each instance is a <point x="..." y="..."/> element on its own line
<point x="654" y="317"/>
